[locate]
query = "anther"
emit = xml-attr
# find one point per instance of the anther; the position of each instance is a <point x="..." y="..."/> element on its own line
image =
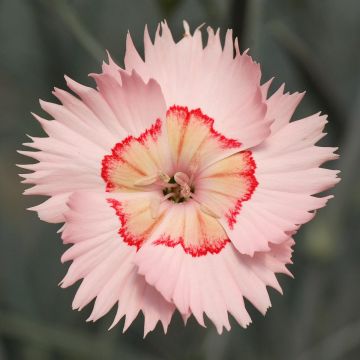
<point x="164" y="177"/>
<point x="185" y="191"/>
<point x="181" y="178"/>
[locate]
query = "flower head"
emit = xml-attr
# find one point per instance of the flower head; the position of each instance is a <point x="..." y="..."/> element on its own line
<point x="180" y="182"/>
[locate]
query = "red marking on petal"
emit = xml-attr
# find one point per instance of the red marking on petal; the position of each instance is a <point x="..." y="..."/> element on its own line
<point x="213" y="247"/>
<point x="128" y="238"/>
<point x="184" y="113"/>
<point x="208" y="242"/>
<point x="206" y="247"/>
<point x="249" y="175"/>
<point x="109" y="162"/>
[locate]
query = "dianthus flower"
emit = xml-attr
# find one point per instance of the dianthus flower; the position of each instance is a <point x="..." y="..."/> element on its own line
<point x="180" y="182"/>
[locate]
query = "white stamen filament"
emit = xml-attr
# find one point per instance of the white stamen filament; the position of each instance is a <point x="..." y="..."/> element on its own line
<point x="164" y="177"/>
<point x="146" y="180"/>
<point x="152" y="179"/>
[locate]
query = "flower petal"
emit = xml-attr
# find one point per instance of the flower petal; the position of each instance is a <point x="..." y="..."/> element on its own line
<point x="82" y="132"/>
<point x="68" y="161"/>
<point x="135" y="159"/>
<point x="288" y="175"/>
<point x="95" y="101"/>
<point x="224" y="87"/>
<point x="53" y="209"/>
<point x="193" y="142"/>
<point x="105" y="263"/>
<point x="280" y="106"/>
<point x="136" y="104"/>
<point x="214" y="284"/>
<point x="226" y="184"/>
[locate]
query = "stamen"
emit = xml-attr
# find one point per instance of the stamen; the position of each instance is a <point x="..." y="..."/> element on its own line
<point x="146" y="180"/>
<point x="181" y="178"/>
<point x="164" y="177"/>
<point x="168" y="196"/>
<point x="185" y="191"/>
<point x="152" y="179"/>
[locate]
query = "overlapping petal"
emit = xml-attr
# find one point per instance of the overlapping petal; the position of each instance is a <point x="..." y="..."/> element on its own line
<point x="185" y="254"/>
<point x="179" y="181"/>
<point x="288" y="176"/>
<point x="225" y="87"/>
<point x="105" y="264"/>
<point x="82" y="132"/>
<point x="215" y="284"/>
<point x="135" y="105"/>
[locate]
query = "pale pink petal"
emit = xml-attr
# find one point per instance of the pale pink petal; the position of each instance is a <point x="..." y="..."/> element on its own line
<point x="133" y="60"/>
<point x="226" y="184"/>
<point x="234" y="102"/>
<point x="179" y="181"/>
<point x="215" y="284"/>
<point x="53" y="209"/>
<point x="82" y="132"/>
<point x="280" y="106"/>
<point x="136" y="104"/>
<point x="69" y="158"/>
<point x="105" y="263"/>
<point x="288" y="175"/>
<point x="137" y="159"/>
<point x="193" y="142"/>
<point x="111" y="68"/>
<point x="95" y="101"/>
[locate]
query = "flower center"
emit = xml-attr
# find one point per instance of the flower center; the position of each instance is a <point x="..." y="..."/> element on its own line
<point x="179" y="188"/>
<point x="177" y="179"/>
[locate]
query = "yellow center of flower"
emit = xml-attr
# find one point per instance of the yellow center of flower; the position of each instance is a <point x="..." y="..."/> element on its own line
<point x="179" y="188"/>
<point x="184" y="171"/>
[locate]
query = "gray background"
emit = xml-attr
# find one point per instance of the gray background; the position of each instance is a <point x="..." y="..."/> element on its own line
<point x="309" y="45"/>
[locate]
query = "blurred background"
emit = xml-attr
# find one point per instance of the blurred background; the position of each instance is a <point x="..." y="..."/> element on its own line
<point x="309" y="45"/>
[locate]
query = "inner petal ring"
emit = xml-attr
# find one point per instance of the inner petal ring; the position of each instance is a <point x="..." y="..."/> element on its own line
<point x="172" y="165"/>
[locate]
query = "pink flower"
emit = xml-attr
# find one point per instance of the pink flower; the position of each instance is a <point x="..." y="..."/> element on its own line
<point x="179" y="181"/>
